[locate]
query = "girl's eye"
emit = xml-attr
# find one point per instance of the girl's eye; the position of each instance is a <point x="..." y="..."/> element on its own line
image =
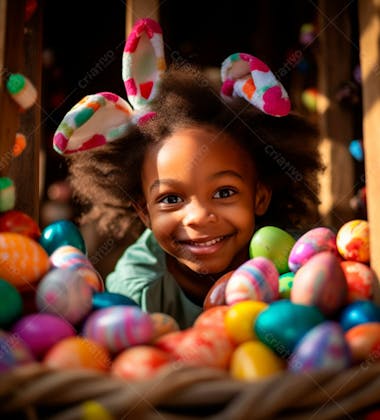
<point x="224" y="193"/>
<point x="170" y="199"/>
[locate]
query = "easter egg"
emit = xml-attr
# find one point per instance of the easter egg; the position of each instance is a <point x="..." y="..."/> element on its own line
<point x="320" y="282"/>
<point x="14" y="352"/>
<point x="7" y="194"/>
<point x="163" y="324"/>
<point x="63" y="292"/>
<point x="285" y="284"/>
<point x="105" y="299"/>
<point x="324" y="346"/>
<point x="40" y="331"/>
<point x="23" y="260"/>
<point x="59" y="233"/>
<point x="353" y="241"/>
<point x="216" y="295"/>
<point x="359" y="312"/>
<point x="283" y="323"/>
<point x="256" y="279"/>
<point x="240" y="319"/>
<point x="10" y="303"/>
<point x="273" y="243"/>
<point x="310" y="243"/>
<point x="78" y="353"/>
<point x="361" y="280"/>
<point x="213" y="317"/>
<point x="364" y="343"/>
<point x="253" y="360"/>
<point x="91" y="410"/>
<point x="119" y="327"/>
<point x="140" y="362"/>
<point x="19" y="222"/>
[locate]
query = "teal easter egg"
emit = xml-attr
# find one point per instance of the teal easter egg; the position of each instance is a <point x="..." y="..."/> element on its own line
<point x="282" y="325"/>
<point x="59" y="233"/>
<point x="286" y="284"/>
<point x="10" y="303"/>
<point x="106" y="299"/>
<point x="273" y="243"/>
<point x="323" y="347"/>
<point x="359" y="312"/>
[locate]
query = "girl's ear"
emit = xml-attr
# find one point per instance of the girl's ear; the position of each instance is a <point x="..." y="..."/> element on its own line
<point x="143" y="213"/>
<point x="262" y="200"/>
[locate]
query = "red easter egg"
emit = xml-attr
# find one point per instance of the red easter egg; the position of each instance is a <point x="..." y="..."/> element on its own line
<point x="212" y="318"/>
<point x="361" y="280"/>
<point x="364" y="342"/>
<point x="140" y="362"/>
<point x="19" y="222"/>
<point x="216" y="295"/>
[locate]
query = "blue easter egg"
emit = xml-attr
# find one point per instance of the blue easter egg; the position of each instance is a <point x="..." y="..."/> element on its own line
<point x="59" y="233"/>
<point x="359" y="312"/>
<point x="106" y="299"/>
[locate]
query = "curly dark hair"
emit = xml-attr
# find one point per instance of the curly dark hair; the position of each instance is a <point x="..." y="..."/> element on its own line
<point x="285" y="151"/>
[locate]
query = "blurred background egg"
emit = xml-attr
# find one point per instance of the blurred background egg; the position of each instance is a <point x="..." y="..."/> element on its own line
<point x="14" y="352"/>
<point x="216" y="295"/>
<point x="19" y="222"/>
<point x="359" y="312"/>
<point x="285" y="283"/>
<point x="361" y="280"/>
<point x="59" y="233"/>
<point x="353" y="240"/>
<point x="364" y="343"/>
<point x="163" y="324"/>
<point x="105" y="299"/>
<point x="213" y="317"/>
<point x="11" y="304"/>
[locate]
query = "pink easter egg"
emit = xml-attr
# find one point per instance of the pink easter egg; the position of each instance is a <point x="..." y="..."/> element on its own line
<point x="310" y="243"/>
<point x="256" y="279"/>
<point x="119" y="327"/>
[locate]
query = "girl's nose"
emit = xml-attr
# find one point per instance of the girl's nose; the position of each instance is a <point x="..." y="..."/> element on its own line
<point x="197" y="213"/>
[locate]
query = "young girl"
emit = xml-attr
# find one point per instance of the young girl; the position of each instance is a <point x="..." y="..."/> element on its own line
<point x="202" y="174"/>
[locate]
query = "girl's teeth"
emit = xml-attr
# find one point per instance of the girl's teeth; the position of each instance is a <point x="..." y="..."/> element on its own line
<point x="208" y="243"/>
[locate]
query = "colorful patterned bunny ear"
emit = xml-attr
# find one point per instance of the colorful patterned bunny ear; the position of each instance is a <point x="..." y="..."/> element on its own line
<point x="248" y="77"/>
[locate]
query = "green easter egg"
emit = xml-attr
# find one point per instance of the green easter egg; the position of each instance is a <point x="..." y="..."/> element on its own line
<point x="10" y="303"/>
<point x="282" y="325"/>
<point x="273" y="243"/>
<point x="285" y="284"/>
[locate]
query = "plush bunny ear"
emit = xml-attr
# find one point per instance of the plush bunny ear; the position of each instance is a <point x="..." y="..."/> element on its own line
<point x="143" y="62"/>
<point x="92" y="122"/>
<point x="248" y="77"/>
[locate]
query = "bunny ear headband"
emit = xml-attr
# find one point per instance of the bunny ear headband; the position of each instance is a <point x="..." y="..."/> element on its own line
<point x="103" y="117"/>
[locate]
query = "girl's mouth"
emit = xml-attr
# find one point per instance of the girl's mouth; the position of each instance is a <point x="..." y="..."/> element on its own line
<point x="203" y="246"/>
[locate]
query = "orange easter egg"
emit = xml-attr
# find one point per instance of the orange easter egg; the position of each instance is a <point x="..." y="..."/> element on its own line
<point x="23" y="261"/>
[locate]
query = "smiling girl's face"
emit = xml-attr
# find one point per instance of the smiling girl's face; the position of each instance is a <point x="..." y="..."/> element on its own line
<point x="202" y="195"/>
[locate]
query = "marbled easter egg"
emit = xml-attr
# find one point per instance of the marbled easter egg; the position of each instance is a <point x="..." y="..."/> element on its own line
<point x="359" y="312"/>
<point x="273" y="243"/>
<point x="364" y="343"/>
<point x="361" y="280"/>
<point x="64" y="292"/>
<point x="324" y="346"/>
<point x="282" y="325"/>
<point x="310" y="243"/>
<point x="353" y="240"/>
<point x="216" y="296"/>
<point x="23" y="260"/>
<point x="119" y="327"/>
<point x="213" y="317"/>
<point x="320" y="282"/>
<point x="14" y="352"/>
<point x="256" y="279"/>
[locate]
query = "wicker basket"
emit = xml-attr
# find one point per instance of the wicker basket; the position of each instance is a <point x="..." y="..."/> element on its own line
<point x="37" y="392"/>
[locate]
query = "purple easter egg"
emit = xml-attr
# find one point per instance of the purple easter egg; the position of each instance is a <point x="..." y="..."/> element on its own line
<point x="13" y="351"/>
<point x="119" y="327"/>
<point x="41" y="331"/>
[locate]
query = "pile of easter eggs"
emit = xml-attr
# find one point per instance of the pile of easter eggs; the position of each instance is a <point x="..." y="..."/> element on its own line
<point x="296" y="304"/>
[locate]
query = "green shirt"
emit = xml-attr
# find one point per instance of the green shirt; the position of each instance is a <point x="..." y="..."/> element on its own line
<point x="142" y="275"/>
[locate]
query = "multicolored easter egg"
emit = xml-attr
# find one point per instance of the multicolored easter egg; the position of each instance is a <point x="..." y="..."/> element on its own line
<point x="11" y="304"/>
<point x="216" y="296"/>
<point x="59" y="233"/>
<point x="320" y="282"/>
<point x="282" y="325"/>
<point x="106" y="299"/>
<point x="256" y="279"/>
<point x="119" y="327"/>
<point x="40" y="331"/>
<point x="163" y="324"/>
<point x="14" y="351"/>
<point x="23" y="260"/>
<point x="359" y="312"/>
<point x="273" y="243"/>
<point x="18" y="222"/>
<point x="64" y="292"/>
<point x="213" y="317"/>
<point x="285" y="284"/>
<point x="78" y="353"/>
<point x="310" y="243"/>
<point x="364" y="343"/>
<point x="324" y="346"/>
<point x="140" y="362"/>
<point x="361" y="280"/>
<point x="239" y="320"/>
<point x="353" y="241"/>
<point x="253" y="360"/>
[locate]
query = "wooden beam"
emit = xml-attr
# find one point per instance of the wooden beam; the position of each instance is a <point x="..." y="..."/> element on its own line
<point x="369" y="27"/>
<point x="137" y="9"/>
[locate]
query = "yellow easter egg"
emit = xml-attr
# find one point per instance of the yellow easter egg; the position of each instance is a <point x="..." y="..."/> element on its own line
<point x="352" y="241"/>
<point x="254" y="360"/>
<point x="22" y="260"/>
<point x="240" y="318"/>
<point x="92" y="410"/>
